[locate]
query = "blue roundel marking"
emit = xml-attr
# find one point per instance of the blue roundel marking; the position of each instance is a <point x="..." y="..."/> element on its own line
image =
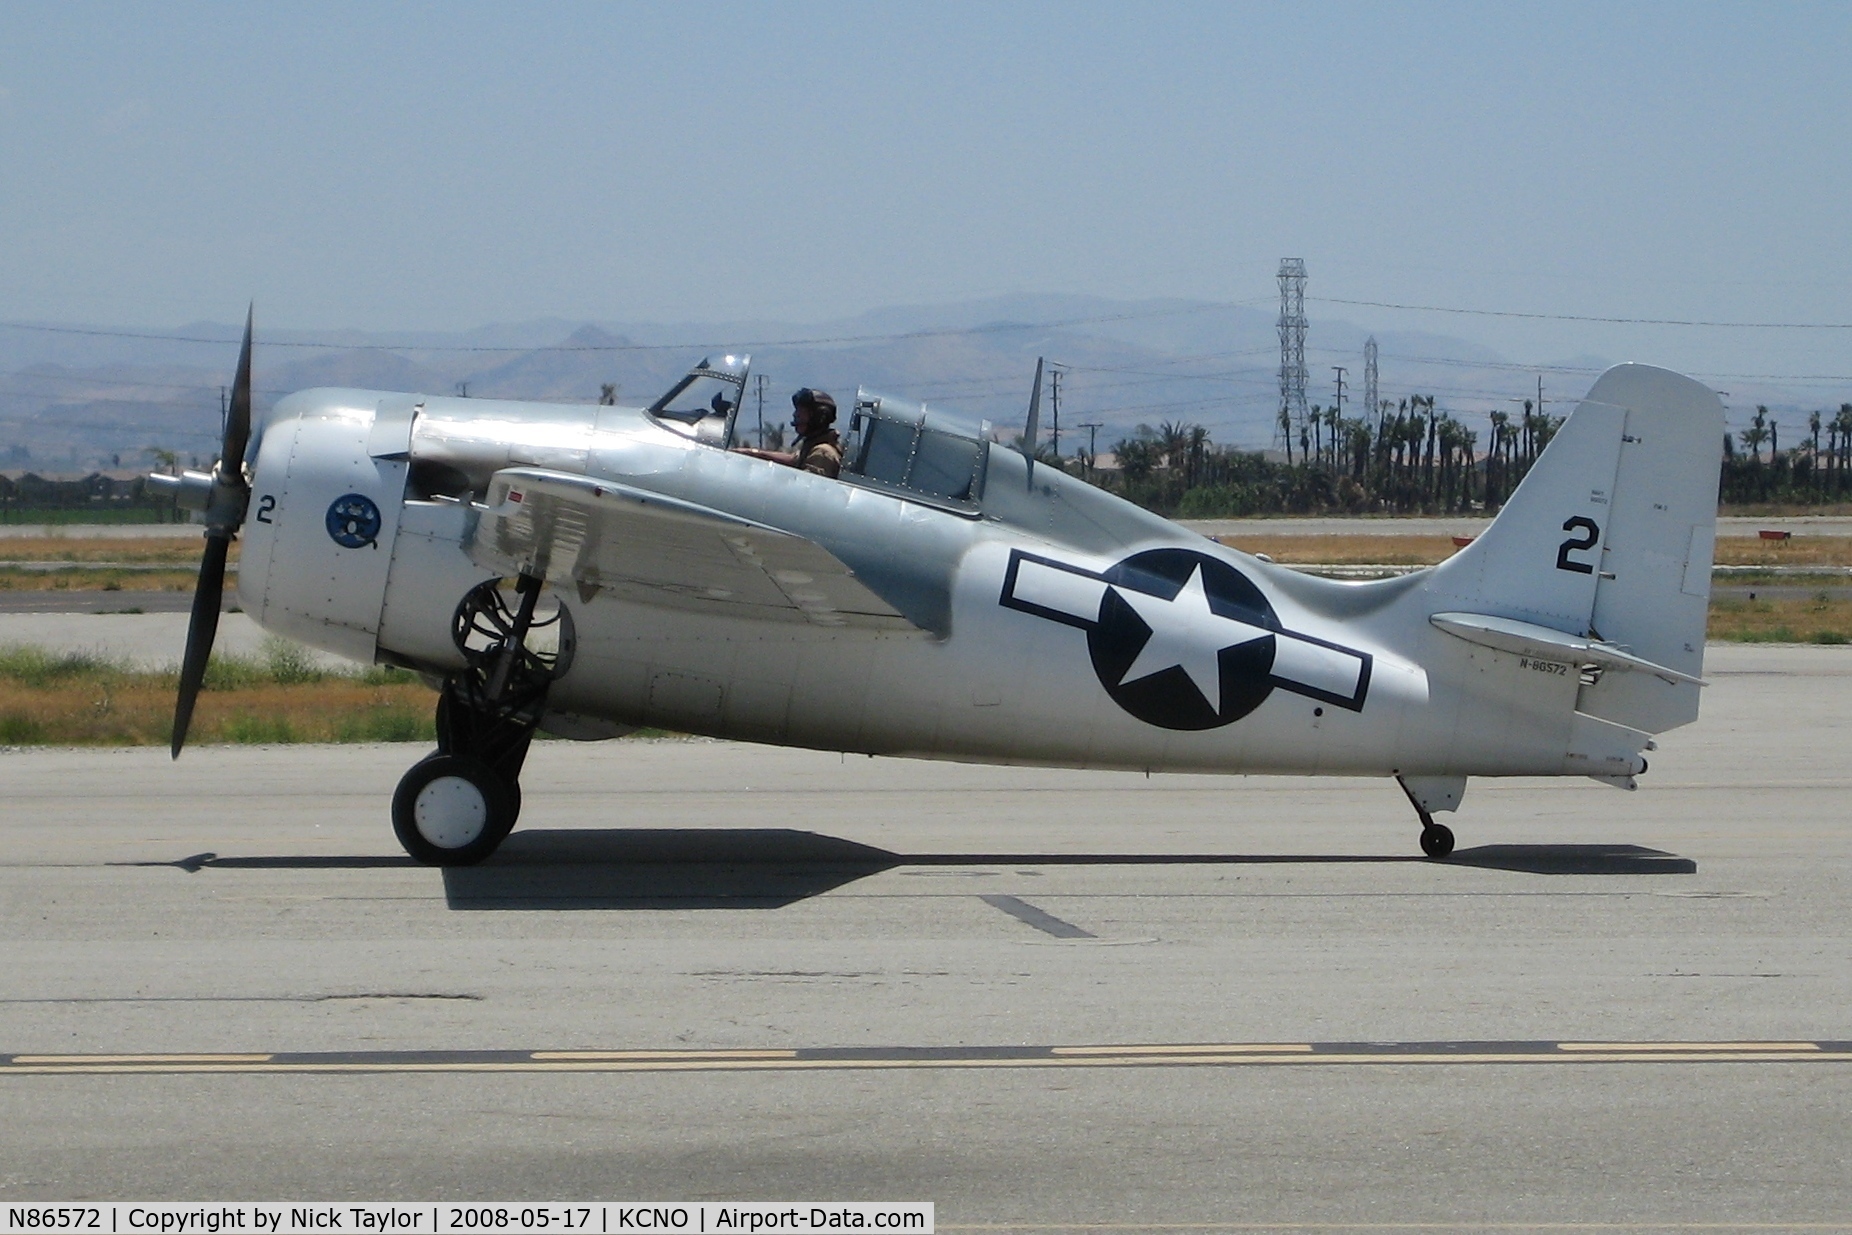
<point x="354" y="521"/>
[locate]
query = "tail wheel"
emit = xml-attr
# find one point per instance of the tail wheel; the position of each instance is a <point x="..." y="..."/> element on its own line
<point x="450" y="810"/>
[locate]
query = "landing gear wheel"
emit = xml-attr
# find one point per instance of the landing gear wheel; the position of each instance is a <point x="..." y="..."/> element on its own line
<point x="450" y="810"/>
<point x="1436" y="840"/>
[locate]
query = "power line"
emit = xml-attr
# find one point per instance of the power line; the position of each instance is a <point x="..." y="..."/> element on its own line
<point x="1559" y="368"/>
<point x="1576" y="317"/>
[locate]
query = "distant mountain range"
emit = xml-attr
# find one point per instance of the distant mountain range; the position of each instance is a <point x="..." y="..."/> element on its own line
<point x="73" y="399"/>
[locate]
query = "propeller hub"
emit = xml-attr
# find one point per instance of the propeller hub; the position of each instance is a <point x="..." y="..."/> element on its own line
<point x="190" y="490"/>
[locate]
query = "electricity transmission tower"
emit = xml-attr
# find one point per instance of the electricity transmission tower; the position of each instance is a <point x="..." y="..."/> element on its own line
<point x="1292" y="349"/>
<point x="1369" y="378"/>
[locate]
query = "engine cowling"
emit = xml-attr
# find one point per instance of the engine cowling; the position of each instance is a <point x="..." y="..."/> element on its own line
<point x="327" y="489"/>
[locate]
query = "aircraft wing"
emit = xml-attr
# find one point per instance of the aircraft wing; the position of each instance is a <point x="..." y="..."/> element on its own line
<point x="603" y="536"/>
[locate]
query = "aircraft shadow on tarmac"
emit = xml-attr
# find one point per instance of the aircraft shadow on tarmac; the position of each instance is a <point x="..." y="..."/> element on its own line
<point x="766" y="868"/>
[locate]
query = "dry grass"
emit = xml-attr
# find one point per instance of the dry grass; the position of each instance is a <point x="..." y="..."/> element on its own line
<point x="83" y="700"/>
<point x="140" y="712"/>
<point x="1427" y="550"/>
<point x="1347" y="550"/>
<point x="1796" y="551"/>
<point x="16" y="580"/>
<point x="144" y="559"/>
<point x="1821" y="618"/>
<point x="1785" y="510"/>
<point x="178" y="551"/>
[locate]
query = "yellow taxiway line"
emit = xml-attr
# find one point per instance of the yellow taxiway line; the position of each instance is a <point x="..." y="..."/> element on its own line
<point x="1129" y="1055"/>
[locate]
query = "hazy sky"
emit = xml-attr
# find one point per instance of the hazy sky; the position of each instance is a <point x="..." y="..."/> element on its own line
<point x="396" y="166"/>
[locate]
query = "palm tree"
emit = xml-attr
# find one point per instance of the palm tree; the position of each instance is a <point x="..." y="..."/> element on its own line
<point x="1427" y="465"/>
<point x="1174" y="438"/>
<point x="1813" y="458"/>
<point x="1843" y="422"/>
<point x="1756" y="434"/>
<point x="1832" y="453"/>
<point x="1494" y="486"/>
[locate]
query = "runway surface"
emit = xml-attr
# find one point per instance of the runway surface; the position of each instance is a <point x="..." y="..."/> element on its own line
<point x="152" y="639"/>
<point x="89" y="603"/>
<point x="1043" y="1000"/>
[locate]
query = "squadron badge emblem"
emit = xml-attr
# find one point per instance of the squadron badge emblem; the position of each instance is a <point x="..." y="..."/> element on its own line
<point x="354" y="521"/>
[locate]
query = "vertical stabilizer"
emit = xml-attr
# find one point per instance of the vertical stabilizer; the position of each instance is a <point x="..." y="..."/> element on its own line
<point x="1610" y="537"/>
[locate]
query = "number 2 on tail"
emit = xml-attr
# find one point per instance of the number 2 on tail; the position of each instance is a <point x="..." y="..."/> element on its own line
<point x="1591" y="533"/>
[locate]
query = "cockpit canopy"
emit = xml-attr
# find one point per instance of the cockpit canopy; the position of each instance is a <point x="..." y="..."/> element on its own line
<point x="901" y="447"/>
<point x="706" y="402"/>
<point x="889" y="444"/>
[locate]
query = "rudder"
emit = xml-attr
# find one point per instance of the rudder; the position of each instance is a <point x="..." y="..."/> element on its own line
<point x="1609" y="537"/>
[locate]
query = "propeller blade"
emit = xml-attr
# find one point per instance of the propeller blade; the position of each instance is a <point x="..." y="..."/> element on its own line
<point x="238" y="416"/>
<point x="224" y="513"/>
<point x="200" y="631"/>
<point x="202" y="628"/>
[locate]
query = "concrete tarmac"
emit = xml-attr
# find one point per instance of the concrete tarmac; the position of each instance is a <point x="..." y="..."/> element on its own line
<point x="150" y="640"/>
<point x="1044" y="1000"/>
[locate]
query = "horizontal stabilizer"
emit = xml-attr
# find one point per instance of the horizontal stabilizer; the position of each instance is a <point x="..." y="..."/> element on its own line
<point x="1543" y="643"/>
<point x="650" y="549"/>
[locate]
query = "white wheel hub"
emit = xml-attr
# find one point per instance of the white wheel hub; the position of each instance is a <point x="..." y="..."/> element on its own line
<point x="450" y="812"/>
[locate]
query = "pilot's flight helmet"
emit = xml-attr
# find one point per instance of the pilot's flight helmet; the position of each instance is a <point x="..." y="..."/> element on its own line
<point x="821" y="406"/>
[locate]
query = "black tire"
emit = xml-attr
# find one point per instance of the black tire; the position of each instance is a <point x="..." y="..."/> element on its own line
<point x="1437" y="840"/>
<point x="453" y="811"/>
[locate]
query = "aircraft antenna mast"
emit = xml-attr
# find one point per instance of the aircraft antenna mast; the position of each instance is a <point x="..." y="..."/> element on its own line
<point x="1370" y="395"/>
<point x="1292" y="349"/>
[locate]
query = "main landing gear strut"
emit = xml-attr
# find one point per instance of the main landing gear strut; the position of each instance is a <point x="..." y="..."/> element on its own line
<point x="455" y="807"/>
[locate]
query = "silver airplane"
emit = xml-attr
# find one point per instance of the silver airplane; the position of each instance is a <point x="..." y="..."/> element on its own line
<point x="586" y="570"/>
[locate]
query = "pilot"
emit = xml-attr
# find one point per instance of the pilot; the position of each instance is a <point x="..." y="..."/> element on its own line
<point x="818" y="447"/>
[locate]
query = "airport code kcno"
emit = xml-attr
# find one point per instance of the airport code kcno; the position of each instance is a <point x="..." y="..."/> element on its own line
<point x="288" y="1218"/>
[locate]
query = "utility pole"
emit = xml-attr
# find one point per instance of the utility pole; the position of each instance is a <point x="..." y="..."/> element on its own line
<point x="1093" y="428"/>
<point x="761" y="386"/>
<point x="1337" y="413"/>
<point x="1054" y="401"/>
<point x="1370" y="392"/>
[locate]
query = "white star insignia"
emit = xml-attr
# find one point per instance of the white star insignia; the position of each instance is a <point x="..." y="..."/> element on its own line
<point x="1186" y="634"/>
